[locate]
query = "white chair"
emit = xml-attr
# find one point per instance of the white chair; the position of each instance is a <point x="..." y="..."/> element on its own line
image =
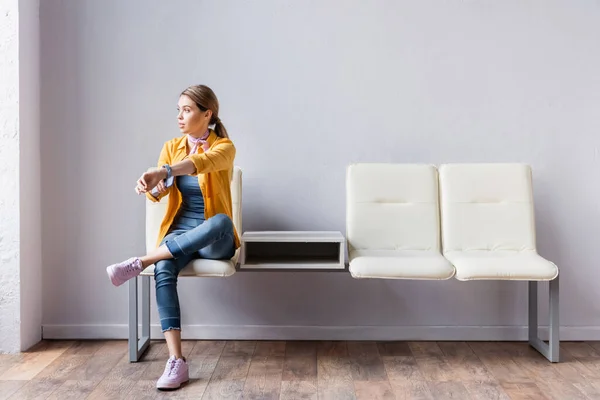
<point x="393" y="226"/>
<point x="488" y="233"/>
<point x="199" y="267"/>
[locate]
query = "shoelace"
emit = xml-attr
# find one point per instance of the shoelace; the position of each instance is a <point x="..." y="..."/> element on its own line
<point x="171" y="365"/>
<point x="174" y="368"/>
<point x="129" y="268"/>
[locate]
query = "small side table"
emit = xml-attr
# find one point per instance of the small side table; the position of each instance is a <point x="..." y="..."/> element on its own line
<point x="292" y="251"/>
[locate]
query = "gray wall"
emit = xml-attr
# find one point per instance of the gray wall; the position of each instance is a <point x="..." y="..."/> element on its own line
<point x="306" y="88"/>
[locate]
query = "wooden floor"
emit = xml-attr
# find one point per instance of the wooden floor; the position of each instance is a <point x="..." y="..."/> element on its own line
<point x="305" y="370"/>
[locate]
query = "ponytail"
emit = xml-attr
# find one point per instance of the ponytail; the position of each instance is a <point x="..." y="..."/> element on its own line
<point x="220" y="129"/>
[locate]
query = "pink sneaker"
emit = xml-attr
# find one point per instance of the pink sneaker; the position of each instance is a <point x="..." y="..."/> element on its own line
<point x="124" y="271"/>
<point x="176" y="373"/>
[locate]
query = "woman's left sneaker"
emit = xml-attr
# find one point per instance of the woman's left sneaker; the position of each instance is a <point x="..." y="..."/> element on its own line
<point x="124" y="271"/>
<point x="176" y="373"/>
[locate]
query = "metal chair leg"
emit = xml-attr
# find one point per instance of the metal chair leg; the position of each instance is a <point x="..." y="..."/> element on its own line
<point x="549" y="350"/>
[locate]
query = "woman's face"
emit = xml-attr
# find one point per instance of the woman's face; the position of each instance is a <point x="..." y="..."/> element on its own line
<point x="192" y="120"/>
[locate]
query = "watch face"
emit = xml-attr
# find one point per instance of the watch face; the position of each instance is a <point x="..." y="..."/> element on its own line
<point x="169" y="181"/>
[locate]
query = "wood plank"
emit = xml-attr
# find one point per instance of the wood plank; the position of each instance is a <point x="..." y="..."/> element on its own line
<point x="156" y="351"/>
<point x="144" y="390"/>
<point x="113" y="389"/>
<point x="591" y="389"/>
<point x="7" y="361"/>
<point x="560" y="390"/>
<point x="300" y="368"/>
<point x="7" y="388"/>
<point x="208" y="348"/>
<point x="464" y="363"/>
<point x="75" y="390"/>
<point x="28" y="364"/>
<point x="201" y="369"/>
<point x="448" y="390"/>
<point x="373" y="390"/>
<point x="394" y="348"/>
<point x="524" y="391"/>
<point x="367" y="365"/>
<point x="411" y="390"/>
<point x="125" y="370"/>
<point x="573" y="370"/>
<point x="402" y="369"/>
<point x="62" y="368"/>
<point x="591" y="364"/>
<point x="594" y="345"/>
<point x="85" y="347"/>
<point x="332" y="348"/>
<point x="232" y="367"/>
<point x="431" y="361"/>
<point x="538" y="368"/>
<point x="264" y="376"/>
<point x="301" y="348"/>
<point x="270" y="348"/>
<point x="35" y="389"/>
<point x="218" y="389"/>
<point x="334" y="377"/>
<point x="45" y="345"/>
<point x="486" y="391"/>
<point x="498" y="360"/>
<point x="96" y="368"/>
<point x="368" y="368"/>
<point x="298" y="390"/>
<point x="236" y="348"/>
<point x="114" y="347"/>
<point x="580" y="349"/>
<point x="362" y="349"/>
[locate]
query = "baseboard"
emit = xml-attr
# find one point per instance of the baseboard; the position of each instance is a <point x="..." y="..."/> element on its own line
<point x="267" y="332"/>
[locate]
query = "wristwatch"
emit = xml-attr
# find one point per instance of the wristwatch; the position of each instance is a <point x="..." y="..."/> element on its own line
<point x="169" y="179"/>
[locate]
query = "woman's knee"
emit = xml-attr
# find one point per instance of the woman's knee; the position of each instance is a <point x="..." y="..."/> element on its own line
<point x="165" y="270"/>
<point x="222" y="222"/>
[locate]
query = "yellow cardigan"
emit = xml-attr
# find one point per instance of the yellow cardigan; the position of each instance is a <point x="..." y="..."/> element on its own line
<point x="213" y="168"/>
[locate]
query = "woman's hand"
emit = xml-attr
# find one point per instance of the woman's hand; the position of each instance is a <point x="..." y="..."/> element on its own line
<point x="150" y="179"/>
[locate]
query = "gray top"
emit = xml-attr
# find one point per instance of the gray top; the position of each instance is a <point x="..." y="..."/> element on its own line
<point x="191" y="211"/>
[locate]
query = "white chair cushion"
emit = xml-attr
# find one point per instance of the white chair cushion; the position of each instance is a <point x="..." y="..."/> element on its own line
<point x="502" y="265"/>
<point x="399" y="264"/>
<point x="488" y="227"/>
<point x="204" y="268"/>
<point x="486" y="207"/>
<point x="392" y="219"/>
<point x="392" y="207"/>
<point x="155" y="212"/>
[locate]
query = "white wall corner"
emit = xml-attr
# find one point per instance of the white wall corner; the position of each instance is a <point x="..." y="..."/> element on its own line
<point x="9" y="178"/>
<point x="20" y="245"/>
<point x="29" y="171"/>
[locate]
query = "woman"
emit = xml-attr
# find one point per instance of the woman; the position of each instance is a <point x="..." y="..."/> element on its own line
<point x="195" y="171"/>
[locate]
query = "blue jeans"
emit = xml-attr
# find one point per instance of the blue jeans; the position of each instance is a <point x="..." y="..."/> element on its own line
<point x="213" y="239"/>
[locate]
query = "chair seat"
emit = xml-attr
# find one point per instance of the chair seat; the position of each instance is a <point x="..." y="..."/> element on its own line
<point x="399" y="264"/>
<point x="501" y="265"/>
<point x="203" y="268"/>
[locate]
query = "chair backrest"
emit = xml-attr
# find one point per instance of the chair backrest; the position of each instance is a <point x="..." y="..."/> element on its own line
<point x="156" y="211"/>
<point x="392" y="207"/>
<point x="486" y="207"/>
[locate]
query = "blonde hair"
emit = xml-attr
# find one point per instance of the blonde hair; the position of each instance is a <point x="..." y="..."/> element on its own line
<point x="206" y="99"/>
